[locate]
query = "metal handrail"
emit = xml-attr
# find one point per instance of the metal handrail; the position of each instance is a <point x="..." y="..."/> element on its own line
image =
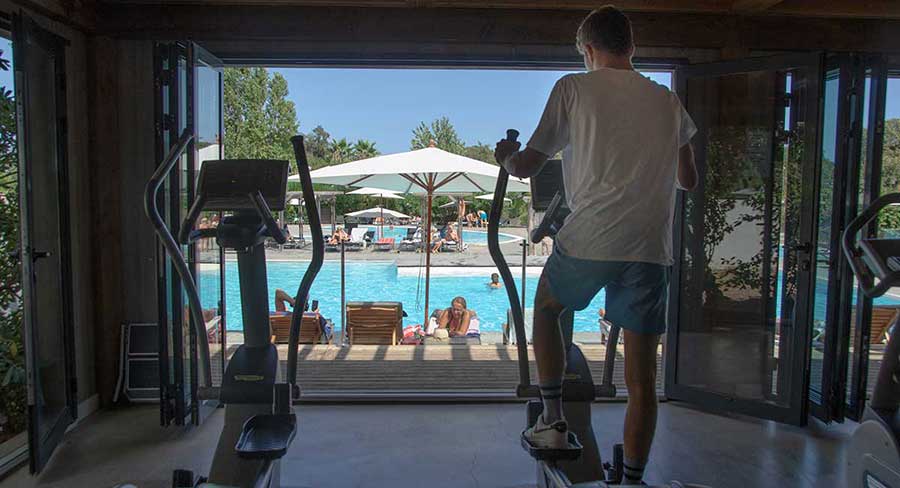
<point x="174" y="250"/>
<point x="318" y="256"/>
<point x="493" y="238"/>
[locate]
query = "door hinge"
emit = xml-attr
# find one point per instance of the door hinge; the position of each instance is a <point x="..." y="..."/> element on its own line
<point x="168" y="122"/>
<point x="165" y="77"/>
<point x="784" y="99"/>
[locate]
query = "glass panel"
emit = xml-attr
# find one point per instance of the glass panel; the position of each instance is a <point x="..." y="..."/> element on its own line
<point x="885" y="307"/>
<point x="822" y="270"/>
<point x="13" y="420"/>
<point x="209" y="258"/>
<point x="40" y="72"/>
<point x="734" y="265"/>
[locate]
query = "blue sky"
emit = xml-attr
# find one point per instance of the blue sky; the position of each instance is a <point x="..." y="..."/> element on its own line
<point x="386" y="105"/>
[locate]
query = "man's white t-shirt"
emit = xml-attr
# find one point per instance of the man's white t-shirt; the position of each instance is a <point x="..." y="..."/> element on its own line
<point x="622" y="133"/>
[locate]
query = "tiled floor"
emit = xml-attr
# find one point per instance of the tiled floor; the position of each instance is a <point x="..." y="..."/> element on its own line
<point x="443" y="445"/>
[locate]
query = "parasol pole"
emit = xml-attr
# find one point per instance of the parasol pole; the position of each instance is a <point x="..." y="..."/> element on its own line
<point x="428" y="247"/>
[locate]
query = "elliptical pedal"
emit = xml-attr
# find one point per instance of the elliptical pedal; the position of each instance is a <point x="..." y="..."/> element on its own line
<point x="570" y="453"/>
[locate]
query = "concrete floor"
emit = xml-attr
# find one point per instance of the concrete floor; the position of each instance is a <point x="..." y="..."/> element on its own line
<point x="440" y="445"/>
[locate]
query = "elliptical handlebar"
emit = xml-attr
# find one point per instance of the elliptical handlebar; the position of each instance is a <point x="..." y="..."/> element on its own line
<point x="315" y="264"/>
<point x="174" y="250"/>
<point x="509" y="284"/>
<point x="854" y="252"/>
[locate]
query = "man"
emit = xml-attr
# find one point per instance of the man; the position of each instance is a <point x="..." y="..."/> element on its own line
<point x="627" y="147"/>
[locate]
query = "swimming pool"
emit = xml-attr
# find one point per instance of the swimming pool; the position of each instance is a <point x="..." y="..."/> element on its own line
<point x="384" y="281"/>
<point x="381" y="281"/>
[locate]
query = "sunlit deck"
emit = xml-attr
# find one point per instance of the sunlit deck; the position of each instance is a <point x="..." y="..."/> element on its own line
<point x="487" y="372"/>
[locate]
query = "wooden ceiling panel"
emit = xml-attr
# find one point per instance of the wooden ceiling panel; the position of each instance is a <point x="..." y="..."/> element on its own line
<point x="804" y="8"/>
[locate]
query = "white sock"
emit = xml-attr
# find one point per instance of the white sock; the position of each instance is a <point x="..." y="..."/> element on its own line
<point x="634" y="471"/>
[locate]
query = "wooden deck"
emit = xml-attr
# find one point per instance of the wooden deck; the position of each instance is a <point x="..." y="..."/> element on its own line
<point x="375" y="372"/>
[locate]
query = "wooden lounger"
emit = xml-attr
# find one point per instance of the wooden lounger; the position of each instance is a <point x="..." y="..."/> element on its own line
<point x="310" y="331"/>
<point x="374" y="322"/>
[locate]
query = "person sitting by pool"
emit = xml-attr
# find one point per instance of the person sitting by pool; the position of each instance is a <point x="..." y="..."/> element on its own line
<point x="495" y="281"/>
<point x="339" y="236"/>
<point x="471" y="219"/>
<point x="458" y="320"/>
<point x="437" y="240"/>
<point x="450" y="234"/>
<point x="282" y="299"/>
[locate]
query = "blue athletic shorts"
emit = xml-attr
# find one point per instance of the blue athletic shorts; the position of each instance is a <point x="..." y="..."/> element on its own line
<point x="636" y="293"/>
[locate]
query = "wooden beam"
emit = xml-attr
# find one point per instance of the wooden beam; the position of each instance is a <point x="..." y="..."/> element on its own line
<point x="431" y="32"/>
<point x="806" y="8"/>
<point x="753" y="5"/>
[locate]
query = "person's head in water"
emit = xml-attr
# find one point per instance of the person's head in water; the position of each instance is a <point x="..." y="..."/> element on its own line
<point x="457" y="307"/>
<point x="605" y="39"/>
<point x="495" y="280"/>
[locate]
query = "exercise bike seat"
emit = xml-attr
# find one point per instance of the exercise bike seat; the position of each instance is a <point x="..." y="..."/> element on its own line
<point x="570" y="453"/>
<point x="267" y="436"/>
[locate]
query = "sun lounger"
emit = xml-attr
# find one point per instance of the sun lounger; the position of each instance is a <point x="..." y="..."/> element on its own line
<point x="357" y="239"/>
<point x="883" y="317"/>
<point x="310" y="330"/>
<point x="374" y="322"/>
<point x="509" y="334"/>
<point x="412" y="242"/>
<point x="383" y="244"/>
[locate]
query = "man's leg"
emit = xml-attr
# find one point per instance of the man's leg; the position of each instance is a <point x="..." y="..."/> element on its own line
<point x="549" y="351"/>
<point x="640" y="415"/>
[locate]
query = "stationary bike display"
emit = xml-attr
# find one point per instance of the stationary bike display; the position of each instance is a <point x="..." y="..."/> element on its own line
<point x="259" y="420"/>
<point x="873" y="459"/>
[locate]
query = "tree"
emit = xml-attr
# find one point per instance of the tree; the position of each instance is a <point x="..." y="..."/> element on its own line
<point x="441" y="133"/>
<point x="12" y="357"/>
<point x="259" y="119"/>
<point x="364" y="148"/>
<point x="341" y="151"/>
<point x="481" y="152"/>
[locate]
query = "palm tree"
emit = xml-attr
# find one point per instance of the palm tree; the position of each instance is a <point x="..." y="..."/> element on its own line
<point x="365" y="148"/>
<point x="341" y="151"/>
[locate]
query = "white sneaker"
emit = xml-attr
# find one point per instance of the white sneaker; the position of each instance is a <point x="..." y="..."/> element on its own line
<point x="553" y="436"/>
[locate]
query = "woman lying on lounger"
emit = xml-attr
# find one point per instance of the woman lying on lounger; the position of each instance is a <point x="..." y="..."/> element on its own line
<point x="339" y="236"/>
<point x="457" y="318"/>
<point x="282" y="299"/>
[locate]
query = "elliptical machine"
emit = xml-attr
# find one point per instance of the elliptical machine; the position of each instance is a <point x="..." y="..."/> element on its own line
<point x="259" y="420"/>
<point x="873" y="459"/>
<point x="581" y="461"/>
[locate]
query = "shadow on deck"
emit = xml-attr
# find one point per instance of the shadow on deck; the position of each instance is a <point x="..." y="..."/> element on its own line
<point x="488" y="372"/>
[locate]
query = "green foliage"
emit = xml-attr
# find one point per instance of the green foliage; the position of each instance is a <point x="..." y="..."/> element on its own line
<point x="12" y="357"/>
<point x="889" y="218"/>
<point x="441" y="132"/>
<point x="259" y="119"/>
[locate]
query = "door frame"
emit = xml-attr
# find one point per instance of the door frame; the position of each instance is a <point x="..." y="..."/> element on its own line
<point x="795" y="412"/>
<point x="25" y="32"/>
<point x="854" y="403"/>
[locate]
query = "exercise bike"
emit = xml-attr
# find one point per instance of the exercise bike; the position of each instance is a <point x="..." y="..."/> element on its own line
<point x="260" y="423"/>
<point x="874" y="454"/>
<point x="580" y="464"/>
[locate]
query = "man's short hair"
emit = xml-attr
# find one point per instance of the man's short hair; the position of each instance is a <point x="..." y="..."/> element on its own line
<point x="606" y="28"/>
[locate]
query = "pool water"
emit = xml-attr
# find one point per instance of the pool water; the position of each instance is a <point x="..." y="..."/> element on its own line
<point x="380" y="281"/>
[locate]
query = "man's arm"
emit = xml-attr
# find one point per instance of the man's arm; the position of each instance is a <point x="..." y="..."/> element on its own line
<point x="687" y="170"/>
<point x="523" y="164"/>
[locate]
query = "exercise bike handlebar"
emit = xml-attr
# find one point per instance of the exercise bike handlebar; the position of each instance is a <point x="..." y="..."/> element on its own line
<point x="318" y="255"/>
<point x="174" y="250"/>
<point x="854" y="253"/>
<point x="493" y="238"/>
